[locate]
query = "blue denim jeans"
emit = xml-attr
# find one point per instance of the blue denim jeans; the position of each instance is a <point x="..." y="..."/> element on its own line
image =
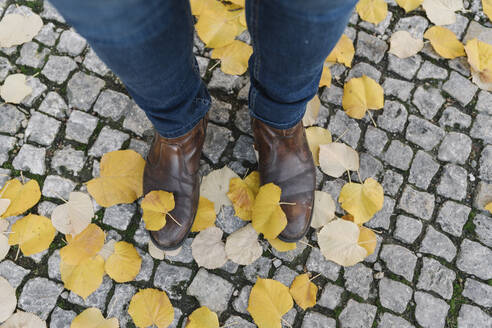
<point x="149" y="45"/>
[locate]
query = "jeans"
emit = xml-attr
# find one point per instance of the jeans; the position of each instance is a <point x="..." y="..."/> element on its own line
<point x="148" y="44"/>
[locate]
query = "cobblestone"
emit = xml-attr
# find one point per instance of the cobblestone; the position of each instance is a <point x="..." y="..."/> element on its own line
<point x="30" y="158"/>
<point x="452" y="217"/>
<point x="394" y="117"/>
<point x="399" y="155"/>
<point x="82" y="90"/>
<point x="211" y="290"/>
<point x="394" y="295"/>
<point x="430" y="311"/>
<point x="10" y="118"/>
<point x="478" y="292"/>
<point x="399" y="260"/>
<point x="358" y="279"/>
<point x="42" y="129"/>
<point x="54" y="105"/>
<point x="428" y="101"/>
<point x="437" y="278"/>
<point x="39" y="296"/>
<point x="418" y="203"/>
<point x="455" y="148"/>
<point x="407" y="229"/>
<point x="58" y="68"/>
<point x="472" y="316"/>
<point x="331" y="296"/>
<point x="423" y="134"/>
<point x="80" y="126"/>
<point x="453" y="182"/>
<point x="454" y="118"/>
<point x="357" y="315"/>
<point x="460" y="88"/>
<point x="482" y="128"/>
<point x="475" y="259"/>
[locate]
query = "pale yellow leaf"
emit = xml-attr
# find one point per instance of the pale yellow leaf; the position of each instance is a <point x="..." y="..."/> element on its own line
<point x="215" y="186"/>
<point x="17" y="29"/>
<point x="325" y="80"/>
<point x="107" y="250"/>
<point x="4" y="246"/>
<point x="8" y="300"/>
<point x="367" y="239"/>
<point x="323" y="210"/>
<point x="487" y="8"/>
<point x="208" y="249"/>
<point x="155" y="252"/>
<point x="361" y="94"/>
<point x="24" y="320"/>
<point x="242" y="198"/>
<point x="403" y="45"/>
<point x="480" y="59"/>
<point x="156" y="206"/>
<point x="442" y="12"/>
<point x="488" y="207"/>
<point x="317" y="136"/>
<point x="312" y="111"/>
<point x="336" y="158"/>
<point x="372" y="11"/>
<point x="121" y="178"/>
<point x="4" y="204"/>
<point x="15" y="88"/>
<point x="444" y="42"/>
<point x="242" y="246"/>
<point x="75" y="215"/>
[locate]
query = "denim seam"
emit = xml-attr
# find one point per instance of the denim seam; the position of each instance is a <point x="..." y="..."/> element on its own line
<point x="256" y="68"/>
<point x="181" y="131"/>
<point x="281" y="126"/>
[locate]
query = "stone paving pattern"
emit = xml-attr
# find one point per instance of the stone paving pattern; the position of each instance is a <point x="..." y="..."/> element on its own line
<point x="431" y="150"/>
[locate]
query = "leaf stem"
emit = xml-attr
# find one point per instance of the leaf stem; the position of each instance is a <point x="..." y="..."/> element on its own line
<point x="285" y="322"/>
<point x="372" y="119"/>
<point x="286" y="203"/>
<point x="341" y="136"/>
<point x="174" y="219"/>
<point x="348" y="174"/>
<point x="214" y="65"/>
<point x="360" y="179"/>
<point x="304" y="243"/>
<point x="316" y="276"/>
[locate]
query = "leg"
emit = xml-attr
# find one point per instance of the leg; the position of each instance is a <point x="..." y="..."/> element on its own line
<point x="291" y="40"/>
<point x="149" y="45"/>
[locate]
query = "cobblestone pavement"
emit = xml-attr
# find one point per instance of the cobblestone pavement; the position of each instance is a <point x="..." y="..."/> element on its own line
<point x="431" y="150"/>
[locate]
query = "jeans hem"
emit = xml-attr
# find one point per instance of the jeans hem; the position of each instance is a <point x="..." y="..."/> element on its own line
<point x="182" y="130"/>
<point x="280" y="126"/>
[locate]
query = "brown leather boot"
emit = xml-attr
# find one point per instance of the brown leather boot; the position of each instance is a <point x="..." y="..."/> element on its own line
<point x="285" y="160"/>
<point x="172" y="165"/>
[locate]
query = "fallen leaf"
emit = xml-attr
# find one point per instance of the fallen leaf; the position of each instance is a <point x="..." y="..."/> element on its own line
<point x="269" y="300"/>
<point x="22" y="197"/>
<point x="336" y="158"/>
<point x="488" y="207"/>
<point x="367" y="239"/>
<point x="215" y="186"/>
<point x="487" y="8"/>
<point x="268" y="217"/>
<point x="325" y="80"/>
<point x="15" y="88"/>
<point x="312" y="111"/>
<point x="303" y="291"/>
<point x="361" y="94"/>
<point x="242" y="246"/>
<point x="205" y="215"/>
<point x="155" y="252"/>
<point x="217" y="26"/>
<point x="403" y="45"/>
<point x="323" y="209"/>
<point x="253" y="181"/>
<point x="441" y="12"/>
<point x="33" y="234"/>
<point x="343" y="52"/>
<point x="83" y="246"/>
<point x="372" y="11"/>
<point x="4" y="246"/>
<point x="242" y="198"/>
<point x="83" y="278"/>
<point x="208" y="250"/>
<point x="409" y="5"/>
<point x="362" y="200"/>
<point x="107" y="250"/>
<point x="24" y="320"/>
<point x="338" y="242"/>
<point x="17" y="29"/>
<point x="75" y="215"/>
<point x="480" y="59"/>
<point x="124" y="264"/>
<point x="4" y="204"/>
<point x="233" y="57"/>
<point x="93" y="318"/>
<point x="317" y="136"/>
<point x="282" y="246"/>
<point x="477" y="79"/>
<point x="151" y="307"/>
<point x="203" y="318"/>
<point x="197" y="6"/>
<point x="156" y="206"/>
<point x="8" y="300"/>
<point x="120" y="180"/>
<point x="444" y="42"/>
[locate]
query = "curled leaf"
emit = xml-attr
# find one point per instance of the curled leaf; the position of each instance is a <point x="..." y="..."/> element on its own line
<point x="156" y="205"/>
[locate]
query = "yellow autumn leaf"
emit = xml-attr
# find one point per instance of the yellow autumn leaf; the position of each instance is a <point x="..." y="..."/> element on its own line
<point x="22" y="197"/>
<point x="151" y="307"/>
<point x="124" y="264"/>
<point x="242" y="198"/>
<point x="303" y="291"/>
<point x="83" y="278"/>
<point x="487" y="8"/>
<point x="93" y="318"/>
<point x="268" y="217"/>
<point x="488" y="207"/>
<point x="282" y="246"/>
<point x="269" y="300"/>
<point x="33" y="234"/>
<point x="367" y="239"/>
<point x="156" y="205"/>
<point x="361" y="94"/>
<point x="205" y="215"/>
<point x="253" y="181"/>
<point x="203" y="318"/>
<point x="197" y="6"/>
<point x="83" y="246"/>
<point x="238" y="2"/>
<point x="343" y="52"/>
<point x="325" y="80"/>
<point x="312" y="110"/>
<point x="372" y="11"/>
<point x="362" y="200"/>
<point x="317" y="136"/>
<point x="217" y="26"/>
<point x="120" y="180"/>
<point x="339" y="242"/>
<point x="409" y="5"/>
<point x="480" y="58"/>
<point x="233" y="57"/>
<point x="444" y="42"/>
